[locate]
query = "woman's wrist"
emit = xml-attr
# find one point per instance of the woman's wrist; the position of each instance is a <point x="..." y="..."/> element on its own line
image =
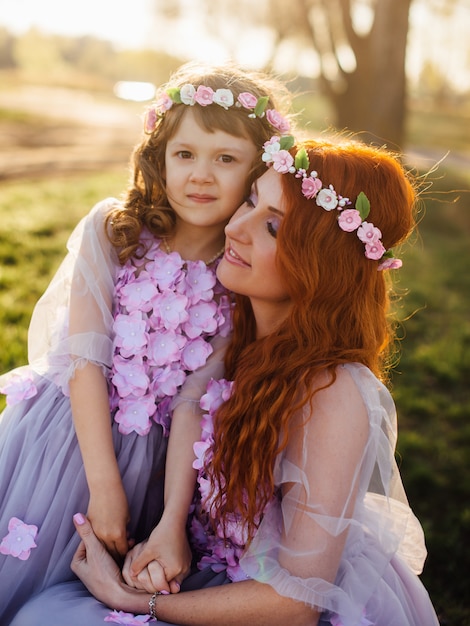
<point x="133" y="600"/>
<point x="153" y="605"/>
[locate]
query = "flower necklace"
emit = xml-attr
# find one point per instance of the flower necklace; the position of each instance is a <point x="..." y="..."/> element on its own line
<point x="209" y="262"/>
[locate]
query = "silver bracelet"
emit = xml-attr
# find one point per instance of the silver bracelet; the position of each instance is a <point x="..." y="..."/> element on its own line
<point x="153" y="605"/>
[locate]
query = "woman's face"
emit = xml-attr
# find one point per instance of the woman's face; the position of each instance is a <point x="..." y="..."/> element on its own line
<point x="249" y="265"/>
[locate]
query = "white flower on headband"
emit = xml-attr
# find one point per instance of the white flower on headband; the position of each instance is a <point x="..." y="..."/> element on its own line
<point x="327" y="198"/>
<point x="223" y="97"/>
<point x="276" y="153"/>
<point x="204" y="96"/>
<point x="187" y="93"/>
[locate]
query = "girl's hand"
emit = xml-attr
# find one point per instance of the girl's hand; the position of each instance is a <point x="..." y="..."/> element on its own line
<point x="108" y="513"/>
<point x="162" y="562"/>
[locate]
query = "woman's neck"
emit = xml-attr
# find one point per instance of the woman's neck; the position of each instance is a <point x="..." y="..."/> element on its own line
<point x="269" y="315"/>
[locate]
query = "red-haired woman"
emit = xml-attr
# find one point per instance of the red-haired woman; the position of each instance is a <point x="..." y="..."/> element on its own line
<point x="300" y="503"/>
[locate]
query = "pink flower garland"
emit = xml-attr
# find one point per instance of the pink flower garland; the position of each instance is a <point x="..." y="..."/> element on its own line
<point x="276" y="154"/>
<point x="202" y="95"/>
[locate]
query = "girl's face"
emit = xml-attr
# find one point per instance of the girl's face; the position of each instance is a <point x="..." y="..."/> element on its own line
<point x="206" y="173"/>
<point x="249" y="264"/>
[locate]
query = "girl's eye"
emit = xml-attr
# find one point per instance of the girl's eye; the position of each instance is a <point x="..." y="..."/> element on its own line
<point x="272" y="226"/>
<point x="226" y="158"/>
<point x="184" y="154"/>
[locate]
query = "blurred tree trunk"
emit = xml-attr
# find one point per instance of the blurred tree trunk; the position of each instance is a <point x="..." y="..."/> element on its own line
<point x="368" y="93"/>
<point x="373" y="98"/>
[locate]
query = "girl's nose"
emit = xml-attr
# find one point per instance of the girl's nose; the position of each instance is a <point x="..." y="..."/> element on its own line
<point x="201" y="172"/>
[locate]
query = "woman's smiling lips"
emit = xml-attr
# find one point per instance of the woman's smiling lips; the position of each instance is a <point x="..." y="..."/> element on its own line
<point x="233" y="257"/>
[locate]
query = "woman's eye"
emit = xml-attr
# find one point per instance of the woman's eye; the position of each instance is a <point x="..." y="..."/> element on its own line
<point x="252" y="199"/>
<point x="272" y="226"/>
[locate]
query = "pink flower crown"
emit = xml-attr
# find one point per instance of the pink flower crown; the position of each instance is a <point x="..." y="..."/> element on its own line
<point x="190" y="95"/>
<point x="276" y="152"/>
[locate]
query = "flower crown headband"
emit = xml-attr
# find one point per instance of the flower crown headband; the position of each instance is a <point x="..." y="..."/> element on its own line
<point x="190" y="95"/>
<point x="276" y="152"/>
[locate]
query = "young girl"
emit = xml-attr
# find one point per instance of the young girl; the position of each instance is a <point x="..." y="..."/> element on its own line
<point x="300" y="516"/>
<point x="134" y="308"/>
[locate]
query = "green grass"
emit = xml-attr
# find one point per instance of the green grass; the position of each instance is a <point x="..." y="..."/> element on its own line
<point x="431" y="390"/>
<point x="36" y="219"/>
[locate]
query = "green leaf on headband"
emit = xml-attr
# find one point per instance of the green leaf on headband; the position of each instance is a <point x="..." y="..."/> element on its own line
<point x="301" y="160"/>
<point x="286" y="142"/>
<point x="261" y="105"/>
<point x="362" y="205"/>
<point x="174" y="94"/>
<point x="388" y="254"/>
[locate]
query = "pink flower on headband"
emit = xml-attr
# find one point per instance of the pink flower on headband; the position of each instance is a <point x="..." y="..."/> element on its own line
<point x="311" y="186"/>
<point x="349" y="220"/>
<point x="277" y="121"/>
<point x="282" y="161"/>
<point x="247" y="100"/>
<point x="390" y="263"/>
<point x="204" y="95"/>
<point x="375" y="250"/>
<point x="150" y="121"/>
<point x="368" y="233"/>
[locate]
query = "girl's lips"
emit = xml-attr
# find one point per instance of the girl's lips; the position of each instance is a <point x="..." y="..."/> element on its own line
<point x="199" y="197"/>
<point x="233" y="257"/>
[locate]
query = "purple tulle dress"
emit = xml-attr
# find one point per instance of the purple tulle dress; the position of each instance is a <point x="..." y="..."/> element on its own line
<point x="376" y="581"/>
<point x="148" y="325"/>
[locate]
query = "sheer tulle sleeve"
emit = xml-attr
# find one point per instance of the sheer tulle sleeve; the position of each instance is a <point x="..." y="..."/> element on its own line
<point x="342" y="514"/>
<point x="195" y="385"/>
<point x="82" y="291"/>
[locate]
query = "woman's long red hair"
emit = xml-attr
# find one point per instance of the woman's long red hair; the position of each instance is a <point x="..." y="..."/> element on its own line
<point x="340" y="314"/>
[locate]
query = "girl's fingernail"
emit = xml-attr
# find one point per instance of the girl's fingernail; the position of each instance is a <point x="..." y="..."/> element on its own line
<point x="164" y="592"/>
<point x="177" y="584"/>
<point x="79" y="519"/>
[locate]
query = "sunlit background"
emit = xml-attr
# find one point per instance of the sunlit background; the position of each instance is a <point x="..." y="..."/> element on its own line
<point x="438" y="39"/>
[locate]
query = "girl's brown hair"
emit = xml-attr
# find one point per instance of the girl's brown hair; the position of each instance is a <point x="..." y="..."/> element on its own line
<point x="146" y="203"/>
<point x="339" y="314"/>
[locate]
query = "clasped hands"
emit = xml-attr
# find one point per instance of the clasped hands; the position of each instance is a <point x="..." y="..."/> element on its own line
<point x="161" y="563"/>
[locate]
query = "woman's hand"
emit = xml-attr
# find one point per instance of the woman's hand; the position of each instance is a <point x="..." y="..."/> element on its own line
<point x="108" y="512"/>
<point x="162" y="562"/>
<point x="95" y="567"/>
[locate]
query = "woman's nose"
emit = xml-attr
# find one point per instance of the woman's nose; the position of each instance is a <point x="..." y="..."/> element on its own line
<point x="238" y="226"/>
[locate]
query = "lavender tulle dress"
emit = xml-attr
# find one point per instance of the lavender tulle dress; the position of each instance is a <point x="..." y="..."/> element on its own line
<point x="147" y="324"/>
<point x="377" y="581"/>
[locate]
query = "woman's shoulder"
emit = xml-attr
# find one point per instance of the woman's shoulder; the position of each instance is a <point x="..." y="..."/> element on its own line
<point x="355" y="395"/>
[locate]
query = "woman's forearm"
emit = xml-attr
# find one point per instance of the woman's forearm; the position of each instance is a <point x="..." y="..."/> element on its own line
<point x="236" y="604"/>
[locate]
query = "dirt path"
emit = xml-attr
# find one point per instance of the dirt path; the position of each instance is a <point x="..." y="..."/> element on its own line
<point x="76" y="131"/>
